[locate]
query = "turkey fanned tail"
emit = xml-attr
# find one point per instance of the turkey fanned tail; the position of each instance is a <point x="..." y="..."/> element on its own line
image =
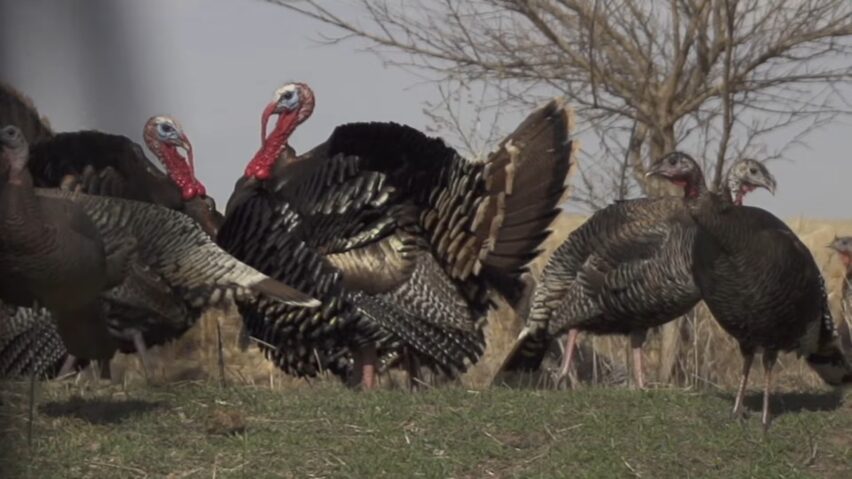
<point x="175" y="246"/>
<point x="539" y="155"/>
<point x="489" y="218"/>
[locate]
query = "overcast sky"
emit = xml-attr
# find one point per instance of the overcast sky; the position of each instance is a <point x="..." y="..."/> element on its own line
<point x="213" y="64"/>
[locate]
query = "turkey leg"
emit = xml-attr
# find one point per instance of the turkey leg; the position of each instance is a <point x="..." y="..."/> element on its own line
<point x="412" y="366"/>
<point x="142" y="351"/>
<point x="365" y="366"/>
<point x="748" y="358"/>
<point x="769" y="358"/>
<point x="567" y="356"/>
<point x="67" y="367"/>
<point x="106" y="370"/>
<point x="637" y="339"/>
<point x="221" y="358"/>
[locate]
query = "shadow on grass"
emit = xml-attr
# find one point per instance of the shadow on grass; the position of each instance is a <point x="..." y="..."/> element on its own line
<point x="99" y="411"/>
<point x="589" y="370"/>
<point x="792" y="402"/>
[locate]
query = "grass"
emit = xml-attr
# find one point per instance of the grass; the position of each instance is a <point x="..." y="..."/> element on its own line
<point x="196" y="429"/>
<point x="270" y="425"/>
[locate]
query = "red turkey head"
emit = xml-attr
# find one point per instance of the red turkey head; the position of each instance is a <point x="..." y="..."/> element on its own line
<point x="682" y="170"/>
<point x="164" y="136"/>
<point x="293" y="103"/>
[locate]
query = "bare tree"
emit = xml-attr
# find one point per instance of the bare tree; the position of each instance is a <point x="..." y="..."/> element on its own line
<point x="469" y="114"/>
<point x="714" y="76"/>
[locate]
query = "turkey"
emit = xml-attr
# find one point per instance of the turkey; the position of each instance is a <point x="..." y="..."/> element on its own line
<point x="626" y="270"/>
<point x="761" y="284"/>
<point x="30" y="343"/>
<point x="143" y="312"/>
<point x="68" y="251"/>
<point x="398" y="236"/>
<point x="113" y="165"/>
<point x="52" y="254"/>
<point x="843" y="247"/>
<point x="99" y="163"/>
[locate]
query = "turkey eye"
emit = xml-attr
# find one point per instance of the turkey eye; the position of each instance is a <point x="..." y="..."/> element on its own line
<point x="287" y="95"/>
<point x="168" y="128"/>
<point x="753" y="171"/>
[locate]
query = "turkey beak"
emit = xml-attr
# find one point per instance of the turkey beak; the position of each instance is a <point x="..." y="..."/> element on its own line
<point x="264" y="121"/>
<point x="654" y="170"/>
<point x="770" y="185"/>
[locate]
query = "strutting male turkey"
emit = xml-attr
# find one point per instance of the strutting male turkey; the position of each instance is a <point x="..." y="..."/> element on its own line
<point x="627" y="269"/>
<point x="143" y="312"/>
<point x="760" y="282"/>
<point x="100" y="163"/>
<point x="74" y="253"/>
<point x="399" y="237"/>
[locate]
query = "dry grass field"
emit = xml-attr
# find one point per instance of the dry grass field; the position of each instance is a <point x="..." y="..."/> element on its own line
<point x="184" y="424"/>
<point x="706" y="356"/>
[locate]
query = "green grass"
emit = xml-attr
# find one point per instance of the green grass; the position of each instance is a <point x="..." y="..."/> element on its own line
<point x="325" y="431"/>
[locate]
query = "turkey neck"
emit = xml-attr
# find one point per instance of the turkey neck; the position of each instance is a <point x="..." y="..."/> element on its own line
<point x="714" y="212"/>
<point x="731" y="191"/>
<point x="23" y="226"/>
<point x="266" y="157"/>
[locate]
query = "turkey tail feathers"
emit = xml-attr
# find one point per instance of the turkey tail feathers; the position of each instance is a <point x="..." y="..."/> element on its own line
<point x="527" y="183"/>
<point x="822" y="350"/>
<point x="832" y="366"/>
